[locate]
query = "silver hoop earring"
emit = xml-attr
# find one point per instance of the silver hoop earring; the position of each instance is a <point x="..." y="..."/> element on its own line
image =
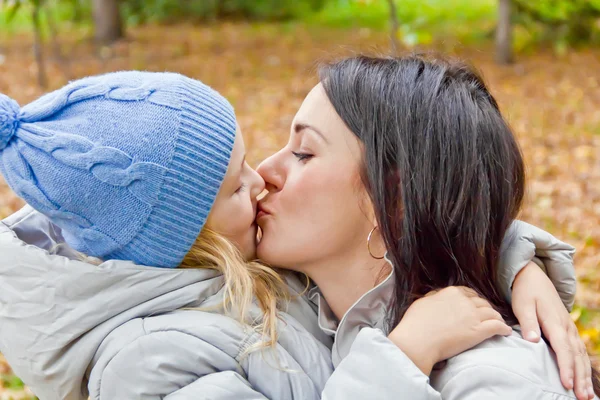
<point x="369" y="244"/>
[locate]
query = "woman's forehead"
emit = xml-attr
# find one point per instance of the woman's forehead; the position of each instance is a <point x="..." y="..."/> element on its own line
<point x="314" y="101"/>
<point x="318" y="112"/>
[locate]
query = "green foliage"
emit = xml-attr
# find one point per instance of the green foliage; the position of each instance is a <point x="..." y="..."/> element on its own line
<point x="269" y="9"/>
<point x="420" y="20"/>
<point x="138" y="11"/>
<point x="375" y="13"/>
<point x="561" y="22"/>
<point x="12" y="8"/>
<point x="15" y="16"/>
<point x="12" y="382"/>
<point x="141" y="11"/>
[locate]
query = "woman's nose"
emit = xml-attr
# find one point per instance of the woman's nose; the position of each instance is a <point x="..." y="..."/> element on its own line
<point x="272" y="172"/>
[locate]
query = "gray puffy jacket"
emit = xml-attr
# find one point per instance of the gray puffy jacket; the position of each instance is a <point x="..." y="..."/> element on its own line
<point x="121" y="331"/>
<point x="369" y="366"/>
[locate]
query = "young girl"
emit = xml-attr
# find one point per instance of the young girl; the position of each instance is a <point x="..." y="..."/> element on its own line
<point x="147" y="169"/>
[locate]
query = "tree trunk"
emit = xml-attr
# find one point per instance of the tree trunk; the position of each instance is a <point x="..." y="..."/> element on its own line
<point x="395" y="26"/>
<point x="77" y="11"/>
<point x="37" y="47"/>
<point x="107" y="21"/>
<point x="504" y="53"/>
<point x="58" y="55"/>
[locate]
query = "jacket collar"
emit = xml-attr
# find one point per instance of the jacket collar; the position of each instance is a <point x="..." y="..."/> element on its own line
<point x="370" y="310"/>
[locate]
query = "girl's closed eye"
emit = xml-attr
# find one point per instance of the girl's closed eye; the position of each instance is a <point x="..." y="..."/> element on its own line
<point x="302" y="156"/>
<point x="242" y="188"/>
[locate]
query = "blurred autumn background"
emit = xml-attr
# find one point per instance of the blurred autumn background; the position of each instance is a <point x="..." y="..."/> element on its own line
<point x="541" y="59"/>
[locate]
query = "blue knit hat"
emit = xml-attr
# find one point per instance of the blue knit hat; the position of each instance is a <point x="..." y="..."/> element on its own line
<point x="128" y="164"/>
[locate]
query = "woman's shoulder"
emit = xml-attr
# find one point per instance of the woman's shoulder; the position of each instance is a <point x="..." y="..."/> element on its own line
<point x="503" y="363"/>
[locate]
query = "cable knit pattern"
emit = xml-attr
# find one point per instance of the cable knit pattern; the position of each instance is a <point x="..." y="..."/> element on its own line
<point x="128" y="164"/>
<point x="9" y="120"/>
<point x="109" y="165"/>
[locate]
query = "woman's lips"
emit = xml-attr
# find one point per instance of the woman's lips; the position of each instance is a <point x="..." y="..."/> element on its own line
<point x="262" y="212"/>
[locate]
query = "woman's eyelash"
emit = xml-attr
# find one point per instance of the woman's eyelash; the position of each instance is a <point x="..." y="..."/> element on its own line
<point x="302" y="156"/>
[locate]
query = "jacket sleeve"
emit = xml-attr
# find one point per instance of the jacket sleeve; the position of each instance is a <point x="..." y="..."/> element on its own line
<point x="175" y="363"/>
<point x="227" y="385"/>
<point x="494" y="383"/>
<point x="198" y="355"/>
<point x="376" y="369"/>
<point x="524" y="243"/>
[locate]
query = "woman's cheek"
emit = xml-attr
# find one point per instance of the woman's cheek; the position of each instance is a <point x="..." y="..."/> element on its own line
<point x="312" y="181"/>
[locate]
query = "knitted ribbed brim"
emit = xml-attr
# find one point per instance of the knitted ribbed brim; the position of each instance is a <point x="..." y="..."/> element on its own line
<point x="207" y="129"/>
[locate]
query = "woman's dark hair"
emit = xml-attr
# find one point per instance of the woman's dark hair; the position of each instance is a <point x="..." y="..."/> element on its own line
<point x="441" y="166"/>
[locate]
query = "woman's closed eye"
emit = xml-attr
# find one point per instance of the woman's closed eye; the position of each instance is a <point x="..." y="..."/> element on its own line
<point x="302" y="156"/>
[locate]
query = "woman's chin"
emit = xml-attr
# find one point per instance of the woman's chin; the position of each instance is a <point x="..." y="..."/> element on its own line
<point x="266" y="247"/>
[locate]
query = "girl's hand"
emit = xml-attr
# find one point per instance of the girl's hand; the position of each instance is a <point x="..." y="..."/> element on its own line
<point x="445" y="323"/>
<point x="536" y="303"/>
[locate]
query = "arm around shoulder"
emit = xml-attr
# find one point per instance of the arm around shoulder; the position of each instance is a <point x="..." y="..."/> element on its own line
<point x="524" y="243"/>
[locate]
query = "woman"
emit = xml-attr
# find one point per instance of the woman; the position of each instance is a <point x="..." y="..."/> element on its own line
<point x="432" y="178"/>
<point x="87" y="327"/>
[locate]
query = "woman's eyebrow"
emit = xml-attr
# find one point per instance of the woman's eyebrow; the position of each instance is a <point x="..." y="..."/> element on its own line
<point x="298" y="127"/>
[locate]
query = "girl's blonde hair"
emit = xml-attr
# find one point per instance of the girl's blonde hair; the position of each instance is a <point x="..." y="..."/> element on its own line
<point x="244" y="281"/>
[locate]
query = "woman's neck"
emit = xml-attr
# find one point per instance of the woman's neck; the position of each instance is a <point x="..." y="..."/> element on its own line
<point x="345" y="279"/>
